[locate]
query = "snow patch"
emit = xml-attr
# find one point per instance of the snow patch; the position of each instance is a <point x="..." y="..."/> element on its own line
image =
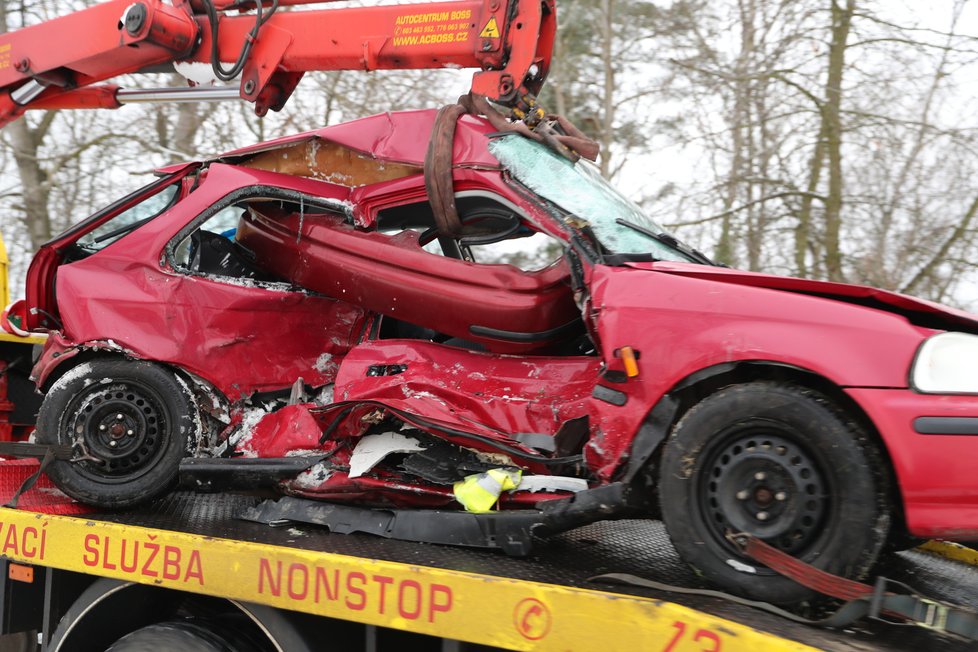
<point x="313" y="477"/>
<point x="300" y="452"/>
<point x="323" y="363"/>
<point x="325" y="396"/>
<point x="74" y="374"/>
<point x="198" y="74"/>
<point x="195" y="444"/>
<point x="241" y="440"/>
<point x="272" y="286"/>
<point x="534" y="371"/>
<point x="52" y="491"/>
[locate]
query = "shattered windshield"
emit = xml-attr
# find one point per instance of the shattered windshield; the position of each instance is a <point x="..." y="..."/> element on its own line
<point x="581" y="191"/>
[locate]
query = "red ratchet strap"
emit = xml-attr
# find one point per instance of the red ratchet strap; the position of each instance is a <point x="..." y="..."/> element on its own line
<point x="805" y="574"/>
<point x="863" y="600"/>
<point x="894" y="600"/>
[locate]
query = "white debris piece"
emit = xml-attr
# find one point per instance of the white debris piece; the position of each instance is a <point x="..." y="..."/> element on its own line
<point x="371" y="449"/>
<point x="313" y="477"/>
<point x="741" y="566"/>
<point x="551" y="483"/>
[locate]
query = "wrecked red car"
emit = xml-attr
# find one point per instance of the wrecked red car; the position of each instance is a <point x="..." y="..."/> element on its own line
<point x="298" y="314"/>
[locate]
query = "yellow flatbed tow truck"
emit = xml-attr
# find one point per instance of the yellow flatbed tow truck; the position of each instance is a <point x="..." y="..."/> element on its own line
<point x="83" y="581"/>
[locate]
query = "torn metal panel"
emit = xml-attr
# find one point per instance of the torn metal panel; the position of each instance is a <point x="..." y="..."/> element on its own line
<point x="328" y="482"/>
<point x="326" y="161"/>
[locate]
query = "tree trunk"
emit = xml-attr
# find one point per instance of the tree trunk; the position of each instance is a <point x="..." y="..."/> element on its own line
<point x="35" y="191"/>
<point x="841" y="21"/>
<point x="607" y="137"/>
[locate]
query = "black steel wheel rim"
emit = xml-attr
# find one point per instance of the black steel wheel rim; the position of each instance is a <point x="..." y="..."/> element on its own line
<point x="118" y="430"/>
<point x="759" y="478"/>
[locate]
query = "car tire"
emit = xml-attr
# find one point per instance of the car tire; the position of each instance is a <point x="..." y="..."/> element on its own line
<point x="782" y="463"/>
<point x="128" y="423"/>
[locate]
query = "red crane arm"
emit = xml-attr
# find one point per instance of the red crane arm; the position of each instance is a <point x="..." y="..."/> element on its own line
<point x="60" y="63"/>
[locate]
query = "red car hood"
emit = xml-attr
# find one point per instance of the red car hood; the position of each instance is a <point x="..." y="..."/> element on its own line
<point x="918" y="311"/>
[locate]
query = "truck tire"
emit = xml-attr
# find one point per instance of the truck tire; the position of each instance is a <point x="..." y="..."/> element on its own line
<point x="127" y="617"/>
<point x="128" y="422"/>
<point x="185" y="636"/>
<point x="782" y="463"/>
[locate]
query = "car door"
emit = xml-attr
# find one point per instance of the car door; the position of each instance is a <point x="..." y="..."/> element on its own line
<point x="243" y="335"/>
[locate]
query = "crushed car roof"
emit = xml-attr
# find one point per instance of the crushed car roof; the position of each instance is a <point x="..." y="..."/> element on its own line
<point x="400" y="137"/>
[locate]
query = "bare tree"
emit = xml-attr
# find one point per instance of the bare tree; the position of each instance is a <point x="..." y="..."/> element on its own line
<point x="828" y="125"/>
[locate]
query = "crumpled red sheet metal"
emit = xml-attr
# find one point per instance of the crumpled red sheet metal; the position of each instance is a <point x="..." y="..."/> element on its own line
<point x="476" y="392"/>
<point x="401" y="137"/>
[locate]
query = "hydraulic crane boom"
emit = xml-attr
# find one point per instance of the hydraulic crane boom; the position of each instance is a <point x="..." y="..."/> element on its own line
<point x="62" y="63"/>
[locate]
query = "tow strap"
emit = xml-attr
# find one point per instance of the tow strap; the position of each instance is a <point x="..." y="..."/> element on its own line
<point x="862" y="599"/>
<point x="886" y="600"/>
<point x="527" y="119"/>
<point x="46" y="454"/>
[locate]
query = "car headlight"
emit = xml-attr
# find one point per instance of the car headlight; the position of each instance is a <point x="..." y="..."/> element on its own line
<point x="946" y="363"/>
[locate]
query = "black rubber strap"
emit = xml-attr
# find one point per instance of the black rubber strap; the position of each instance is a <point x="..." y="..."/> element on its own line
<point x="29" y="482"/>
<point x="25" y="449"/>
<point x="45" y="453"/>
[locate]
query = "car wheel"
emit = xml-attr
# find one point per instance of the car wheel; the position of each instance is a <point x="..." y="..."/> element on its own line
<point x="784" y="464"/>
<point x="128" y="423"/>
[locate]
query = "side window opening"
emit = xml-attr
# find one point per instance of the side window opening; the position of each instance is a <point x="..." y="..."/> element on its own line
<point x="417" y="218"/>
<point x="527" y="250"/>
<point x="494" y="233"/>
<point x="215" y="247"/>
